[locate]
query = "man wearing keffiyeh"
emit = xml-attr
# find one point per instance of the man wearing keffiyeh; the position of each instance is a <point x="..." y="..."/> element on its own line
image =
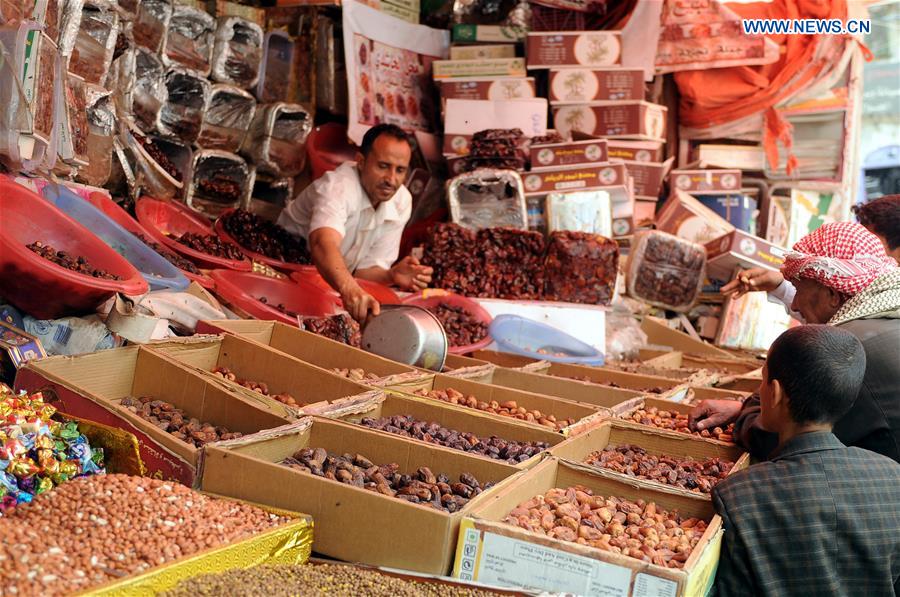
<point x="841" y="275"/>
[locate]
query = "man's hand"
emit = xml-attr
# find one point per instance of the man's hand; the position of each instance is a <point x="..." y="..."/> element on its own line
<point x="359" y="303"/>
<point x="756" y="278"/>
<point x="409" y="274"/>
<point x="714" y="413"/>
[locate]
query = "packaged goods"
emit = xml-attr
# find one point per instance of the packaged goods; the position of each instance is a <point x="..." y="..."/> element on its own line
<point x="147" y="86"/>
<point x="276" y="139"/>
<point x="493" y="88"/>
<point x="188" y="39"/>
<point x="546" y="152"/>
<point x="630" y="119"/>
<point x="676" y="421"/>
<point x="96" y="41"/>
<point x="187" y="96"/>
<point x="101" y="124"/>
<point x="151" y="24"/>
<point x="587" y="211"/>
<point x="513" y="263"/>
<point x="262" y="236"/>
<point x="227" y="118"/>
<point x="275" y="72"/>
<point x="485" y="67"/>
<point x="447" y="250"/>
<point x="573" y="48"/>
<point x="665" y="270"/>
<point x="211" y="245"/>
<point x="504" y="409"/>
<point x="685" y="473"/>
<point x="340" y="328"/>
<point x="71" y="118"/>
<point x="581" y="85"/>
<point x="175" y="421"/>
<point x="220" y="181"/>
<point x="76" y="263"/>
<point x="488" y="197"/>
<point x="580" y="268"/>
<point x="160" y="158"/>
<point x="237" y="52"/>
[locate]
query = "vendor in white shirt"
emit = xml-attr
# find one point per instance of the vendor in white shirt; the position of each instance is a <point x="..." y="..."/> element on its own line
<point x="353" y="217"/>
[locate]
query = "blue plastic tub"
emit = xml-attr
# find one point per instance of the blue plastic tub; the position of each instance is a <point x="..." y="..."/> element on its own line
<point x="529" y="338"/>
<point x="159" y="273"/>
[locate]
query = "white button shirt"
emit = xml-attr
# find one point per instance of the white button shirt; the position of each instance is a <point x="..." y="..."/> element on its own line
<point x="370" y="237"/>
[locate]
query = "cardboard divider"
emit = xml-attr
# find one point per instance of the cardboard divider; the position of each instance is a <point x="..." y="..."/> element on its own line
<point x="741" y="383"/>
<point x="494" y="552"/>
<point x="659" y="333"/>
<point x="586" y="416"/>
<point x="626" y="410"/>
<point x="615" y="433"/>
<point x="352" y="523"/>
<point x="512" y="361"/>
<point x="91" y="387"/>
<point x="247" y="359"/>
<point x="697" y="395"/>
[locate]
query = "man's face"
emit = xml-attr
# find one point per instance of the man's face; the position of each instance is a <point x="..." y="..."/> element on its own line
<point x="385" y="168"/>
<point x="814" y="301"/>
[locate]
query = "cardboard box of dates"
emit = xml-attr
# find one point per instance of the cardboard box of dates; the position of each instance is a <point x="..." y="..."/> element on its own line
<point x="356" y="523"/>
<point x="497" y="552"/>
<point x="94" y="386"/>
<point x="671" y="418"/>
<point x="512" y="361"/>
<point x="696" y="353"/>
<point x="515" y="406"/>
<point x="320" y="351"/>
<point x="618" y="451"/>
<point x="478" y="434"/>
<point x="283" y="383"/>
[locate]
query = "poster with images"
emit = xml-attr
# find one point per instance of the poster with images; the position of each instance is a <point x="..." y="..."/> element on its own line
<point x="389" y="70"/>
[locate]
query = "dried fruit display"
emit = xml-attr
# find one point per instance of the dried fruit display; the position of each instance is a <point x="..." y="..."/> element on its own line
<point x="357" y="374"/>
<point x="509" y="408"/>
<point x="340" y="327"/>
<point x="175" y="422"/>
<point x="462" y="328"/>
<point x="256" y="386"/>
<point x="636" y="529"/>
<point x="494" y="447"/>
<point x="423" y="487"/>
<point x="687" y="473"/>
<point x="268" y="238"/>
<point x="158" y="156"/>
<point x="513" y="262"/>
<point x="675" y="421"/>
<point x="94" y="530"/>
<point x="611" y="384"/>
<point x="173" y="258"/>
<point x="220" y="186"/>
<point x="450" y="250"/>
<point x="211" y="245"/>
<point x="580" y="268"/>
<point x="665" y="270"/>
<point x="76" y="264"/>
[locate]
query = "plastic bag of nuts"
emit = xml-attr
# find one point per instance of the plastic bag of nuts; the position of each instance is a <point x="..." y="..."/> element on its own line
<point x="665" y="271"/>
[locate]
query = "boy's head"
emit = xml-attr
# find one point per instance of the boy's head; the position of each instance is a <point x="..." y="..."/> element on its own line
<point x="812" y="376"/>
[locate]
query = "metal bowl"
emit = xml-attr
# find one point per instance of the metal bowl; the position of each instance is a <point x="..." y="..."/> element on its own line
<point x="409" y="335"/>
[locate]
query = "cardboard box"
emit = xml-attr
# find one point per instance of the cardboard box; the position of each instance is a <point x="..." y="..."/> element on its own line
<point x="318" y="350"/>
<point x="482" y="52"/>
<point x="511" y="361"/>
<point x="696" y="395"/>
<point x="497" y="88"/>
<point x="568" y="154"/>
<point x="573" y="48"/>
<point x="661" y="334"/>
<point x="353" y="524"/>
<point x="648" y="177"/>
<point x="624" y="412"/>
<point x="727" y="364"/>
<point x="307" y="384"/>
<point x="491" y="67"/>
<point x="740" y="249"/>
<point x="585" y="416"/>
<point x="91" y="386"/>
<point x="460" y="419"/>
<point x="467" y="117"/>
<point x="742" y="383"/>
<point x="487" y="33"/>
<point x="644" y="211"/>
<point x="456" y="145"/>
<point x="635" y="151"/>
<point x="672" y="389"/>
<point x="493" y="552"/>
<point x="633" y="119"/>
<point x="583" y="85"/>
<point x="615" y="433"/>
<point x="706" y="182"/>
<point x="687" y="218"/>
<point x="541" y="181"/>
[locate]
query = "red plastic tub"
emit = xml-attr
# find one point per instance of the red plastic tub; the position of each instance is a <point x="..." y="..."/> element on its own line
<point x="244" y="289"/>
<point x="167" y="220"/>
<point x="328" y="148"/>
<point x="382" y="293"/>
<point x="258" y="257"/>
<point x="39" y="287"/>
<point x="433" y="299"/>
<point x="124" y="219"/>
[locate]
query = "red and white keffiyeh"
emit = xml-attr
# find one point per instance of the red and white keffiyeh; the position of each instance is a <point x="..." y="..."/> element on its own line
<point x="841" y="255"/>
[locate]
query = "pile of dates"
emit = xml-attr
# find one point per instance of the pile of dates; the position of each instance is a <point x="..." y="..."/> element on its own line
<point x="174" y="421"/>
<point x="157" y="154"/>
<point x="262" y="236"/>
<point x="356" y="374"/>
<point x="173" y="258"/>
<point x="694" y="475"/>
<point x="580" y="268"/>
<point x="221" y="187"/>
<point x="496" y="148"/>
<point x="76" y="264"/>
<point x="504" y="409"/>
<point x="666" y="270"/>
<point x="256" y="386"/>
<point x="512" y="452"/>
<point x="636" y="529"/>
<point x="211" y="245"/>
<point x="424" y="487"/>
<point x="675" y="421"/>
<point x="462" y="328"/>
<point x="340" y="328"/>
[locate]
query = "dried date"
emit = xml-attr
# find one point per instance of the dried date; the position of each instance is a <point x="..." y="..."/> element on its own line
<point x="222" y="187"/>
<point x="462" y="328"/>
<point x="666" y="270"/>
<point x="356" y="374"/>
<point x="173" y="258"/>
<point x="211" y="245"/>
<point x="268" y="238"/>
<point x="173" y="420"/>
<point x="158" y="156"/>
<point x="580" y="268"/>
<point x="340" y="328"/>
<point x="77" y="264"/>
<point x="675" y="421"/>
<point x="256" y="386"/>
<point x="509" y="408"/>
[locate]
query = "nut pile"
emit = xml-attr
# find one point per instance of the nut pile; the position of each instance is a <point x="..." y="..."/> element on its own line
<point x="635" y="529"/>
<point x="161" y="159"/>
<point x="504" y="409"/>
<point x="340" y="327"/>
<point x="93" y="530"/>
<point x="423" y="487"/>
<point x="666" y="270"/>
<point x="211" y="245"/>
<point x="675" y="421"/>
<point x="314" y="580"/>
<point x="461" y="326"/>
<point x="76" y="264"/>
<point x="687" y="473"/>
<point x="580" y="268"/>
<point x="513" y="452"/>
<point x="268" y="238"/>
<point x="356" y="374"/>
<point x="256" y="386"/>
<point x="174" y="421"/>
<point x="173" y="258"/>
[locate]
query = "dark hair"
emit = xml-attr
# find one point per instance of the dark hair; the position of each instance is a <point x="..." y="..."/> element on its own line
<point x="821" y="369"/>
<point x="391" y="130"/>
<point x="882" y="216"/>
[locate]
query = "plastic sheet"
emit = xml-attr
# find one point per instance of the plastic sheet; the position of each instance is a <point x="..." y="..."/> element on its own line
<point x="93" y="48"/>
<point x="584" y="211"/>
<point x="580" y="268"/>
<point x="237" y="52"/>
<point x="227" y="118"/>
<point x="665" y="271"/>
<point x="155" y="179"/>
<point x="147" y="87"/>
<point x="181" y="115"/>
<point x="189" y="40"/>
<point x="275" y="72"/>
<point x="46" y="12"/>
<point x="101" y="131"/>
<point x="276" y="141"/>
<point x="151" y="24"/>
<point x="488" y="198"/>
<point x="220" y="181"/>
<point x="128" y="9"/>
<point x="624" y="336"/>
<point x="72" y="103"/>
